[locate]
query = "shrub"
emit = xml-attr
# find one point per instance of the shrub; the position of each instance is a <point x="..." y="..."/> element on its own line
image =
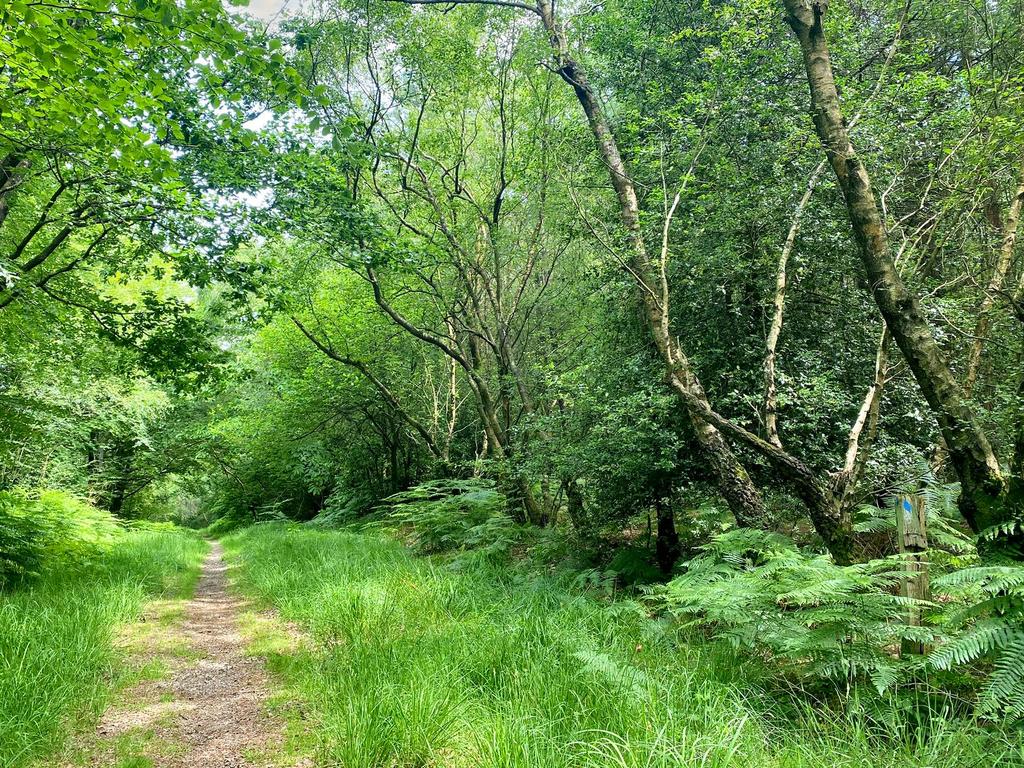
<point x="446" y="515"/>
<point x="225" y="524"/>
<point x="227" y="517"/>
<point x="22" y="538"/>
<point x="633" y="565"/>
<point x="758" y="591"/>
<point x="988" y="624"/>
<point x="40" y="529"/>
<point x="340" y="509"/>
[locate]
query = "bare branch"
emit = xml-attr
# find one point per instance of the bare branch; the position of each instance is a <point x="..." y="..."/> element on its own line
<point x="453" y="3"/>
<point x="381" y="387"/>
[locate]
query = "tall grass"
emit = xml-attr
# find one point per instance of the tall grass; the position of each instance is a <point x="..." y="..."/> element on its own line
<point x="416" y="664"/>
<point x="56" y="657"/>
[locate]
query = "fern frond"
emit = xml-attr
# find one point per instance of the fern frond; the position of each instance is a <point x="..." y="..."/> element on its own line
<point x="981" y="640"/>
<point x="883" y="677"/>
<point x="1005" y="688"/>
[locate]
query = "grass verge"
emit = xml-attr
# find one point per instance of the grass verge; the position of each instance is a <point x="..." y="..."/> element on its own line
<point x="57" y="661"/>
<point x="414" y="663"/>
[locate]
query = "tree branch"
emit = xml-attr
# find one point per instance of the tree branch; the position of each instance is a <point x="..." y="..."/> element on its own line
<point x="381" y="387"/>
<point x="499" y="3"/>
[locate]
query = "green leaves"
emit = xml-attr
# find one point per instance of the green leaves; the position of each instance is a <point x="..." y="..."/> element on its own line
<point x="49" y="530"/>
<point x="981" y="640"/>
<point x="758" y="591"/>
<point x="988" y="625"/>
<point x="448" y="515"/>
<point x="129" y="117"/>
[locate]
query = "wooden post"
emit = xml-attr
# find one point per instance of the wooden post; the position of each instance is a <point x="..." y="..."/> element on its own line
<point x="912" y="538"/>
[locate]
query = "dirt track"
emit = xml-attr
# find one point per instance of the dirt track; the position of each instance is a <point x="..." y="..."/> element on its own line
<point x="207" y="708"/>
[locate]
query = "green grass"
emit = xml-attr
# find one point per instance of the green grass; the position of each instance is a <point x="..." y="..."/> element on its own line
<point x="413" y="663"/>
<point x="57" y="661"/>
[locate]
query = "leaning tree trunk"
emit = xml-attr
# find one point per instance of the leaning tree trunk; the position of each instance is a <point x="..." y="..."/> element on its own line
<point x="771" y="397"/>
<point x="982" y="501"/>
<point x="733" y="482"/>
<point x="995" y="284"/>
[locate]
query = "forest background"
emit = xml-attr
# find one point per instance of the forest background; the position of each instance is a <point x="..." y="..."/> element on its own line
<point x="682" y="294"/>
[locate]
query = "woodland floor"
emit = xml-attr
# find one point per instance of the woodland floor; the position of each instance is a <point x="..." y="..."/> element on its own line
<point x="398" y="660"/>
<point x="197" y="700"/>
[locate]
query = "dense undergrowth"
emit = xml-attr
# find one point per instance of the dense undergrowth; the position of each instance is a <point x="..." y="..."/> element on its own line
<point x="73" y="574"/>
<point x="470" y="661"/>
<point x="841" y="630"/>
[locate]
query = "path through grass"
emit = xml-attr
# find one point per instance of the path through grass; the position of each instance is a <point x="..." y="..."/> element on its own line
<point x="57" y="661"/>
<point x="414" y="663"/>
<point x="206" y="706"/>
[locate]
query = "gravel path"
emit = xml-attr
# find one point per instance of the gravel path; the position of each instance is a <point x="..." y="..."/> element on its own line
<point x="208" y="710"/>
